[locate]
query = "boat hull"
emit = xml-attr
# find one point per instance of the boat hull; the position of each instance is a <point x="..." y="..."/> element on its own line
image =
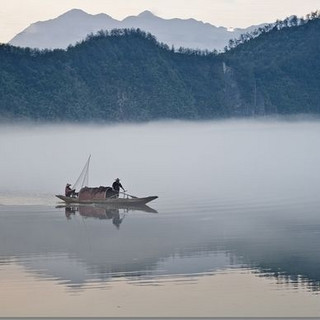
<point x="113" y="201"/>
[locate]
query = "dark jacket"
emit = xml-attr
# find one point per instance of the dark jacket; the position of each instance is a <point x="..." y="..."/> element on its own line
<point x="117" y="185"/>
<point x="69" y="192"/>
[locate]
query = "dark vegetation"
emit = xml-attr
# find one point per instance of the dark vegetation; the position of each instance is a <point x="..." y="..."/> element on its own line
<point x="126" y="75"/>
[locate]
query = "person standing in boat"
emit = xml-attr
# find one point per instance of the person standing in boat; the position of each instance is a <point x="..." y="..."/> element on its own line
<point x="68" y="191"/>
<point x="117" y="185"/>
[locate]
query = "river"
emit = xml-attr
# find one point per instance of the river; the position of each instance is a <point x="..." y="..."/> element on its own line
<point x="235" y="231"/>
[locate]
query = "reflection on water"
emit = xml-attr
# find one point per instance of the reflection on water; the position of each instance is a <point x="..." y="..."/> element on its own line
<point x="99" y="211"/>
<point x="240" y="206"/>
<point x="96" y="212"/>
<point x="79" y="244"/>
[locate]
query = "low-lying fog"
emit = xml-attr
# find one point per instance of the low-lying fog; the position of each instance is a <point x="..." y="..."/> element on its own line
<point x="174" y="160"/>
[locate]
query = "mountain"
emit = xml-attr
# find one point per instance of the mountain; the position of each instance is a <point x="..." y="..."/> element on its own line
<point x="126" y="75"/>
<point x="66" y="29"/>
<point x="74" y="25"/>
<point x="188" y="33"/>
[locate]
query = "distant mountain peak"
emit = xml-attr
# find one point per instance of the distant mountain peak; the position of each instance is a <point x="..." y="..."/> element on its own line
<point x="75" y="12"/>
<point x="74" y="25"/>
<point x="78" y="13"/>
<point x="146" y="14"/>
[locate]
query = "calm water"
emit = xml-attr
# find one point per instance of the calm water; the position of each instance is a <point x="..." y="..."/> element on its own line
<point x="235" y="231"/>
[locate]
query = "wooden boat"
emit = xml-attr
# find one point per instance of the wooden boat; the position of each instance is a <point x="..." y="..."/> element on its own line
<point x="125" y="201"/>
<point x="101" y="195"/>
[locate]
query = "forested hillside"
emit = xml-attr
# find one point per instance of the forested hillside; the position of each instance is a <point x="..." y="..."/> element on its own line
<point x="279" y="71"/>
<point x="126" y="75"/>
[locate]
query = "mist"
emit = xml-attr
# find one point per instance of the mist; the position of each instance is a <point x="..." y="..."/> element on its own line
<point x="178" y="161"/>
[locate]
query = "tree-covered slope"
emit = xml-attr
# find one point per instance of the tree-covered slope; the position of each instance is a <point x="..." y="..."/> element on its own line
<point x="126" y="75"/>
<point x="123" y="76"/>
<point x="280" y="70"/>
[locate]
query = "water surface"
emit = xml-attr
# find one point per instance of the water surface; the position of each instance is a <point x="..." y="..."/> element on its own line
<point x="235" y="231"/>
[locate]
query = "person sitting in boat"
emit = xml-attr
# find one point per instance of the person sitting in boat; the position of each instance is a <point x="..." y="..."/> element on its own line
<point x="117" y="185"/>
<point x="69" y="192"/>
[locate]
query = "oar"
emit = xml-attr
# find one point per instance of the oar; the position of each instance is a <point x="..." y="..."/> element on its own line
<point x="134" y="197"/>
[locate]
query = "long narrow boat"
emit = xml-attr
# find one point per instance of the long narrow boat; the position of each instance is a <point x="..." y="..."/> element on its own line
<point x="101" y="195"/>
<point x="129" y="200"/>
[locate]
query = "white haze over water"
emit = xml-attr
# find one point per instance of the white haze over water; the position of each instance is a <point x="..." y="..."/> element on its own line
<point x="178" y="161"/>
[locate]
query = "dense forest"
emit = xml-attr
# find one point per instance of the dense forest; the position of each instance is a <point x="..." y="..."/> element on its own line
<point x="126" y="75"/>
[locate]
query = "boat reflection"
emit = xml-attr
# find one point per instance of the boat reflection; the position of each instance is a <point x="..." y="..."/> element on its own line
<point x="103" y="212"/>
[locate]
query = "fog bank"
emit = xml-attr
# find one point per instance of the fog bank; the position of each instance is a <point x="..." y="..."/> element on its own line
<point x="174" y="160"/>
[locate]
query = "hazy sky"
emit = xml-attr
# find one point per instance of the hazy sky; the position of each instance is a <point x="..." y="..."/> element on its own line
<point x="16" y="15"/>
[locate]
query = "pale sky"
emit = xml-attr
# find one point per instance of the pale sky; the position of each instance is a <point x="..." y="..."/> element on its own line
<point x="16" y="15"/>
